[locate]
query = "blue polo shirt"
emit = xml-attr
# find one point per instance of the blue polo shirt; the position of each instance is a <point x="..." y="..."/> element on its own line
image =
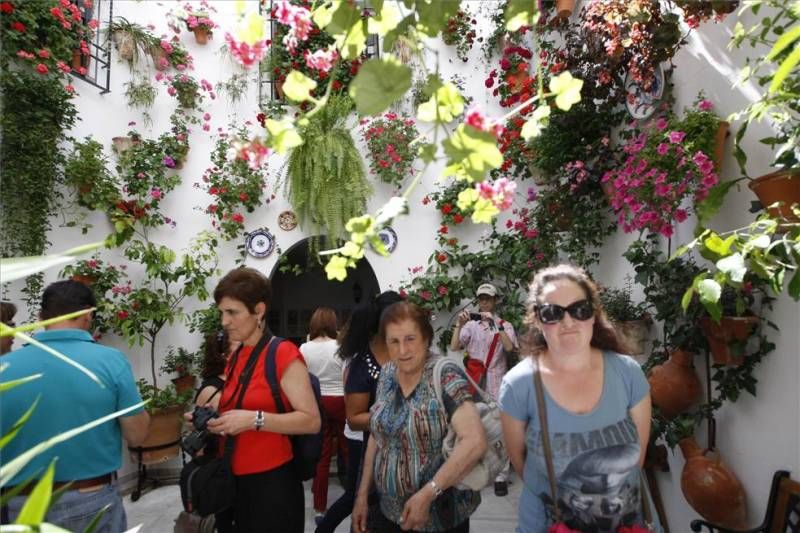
<point x="67" y="399"/>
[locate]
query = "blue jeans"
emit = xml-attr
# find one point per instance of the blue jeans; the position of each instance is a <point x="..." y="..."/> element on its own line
<point x="75" y="510"/>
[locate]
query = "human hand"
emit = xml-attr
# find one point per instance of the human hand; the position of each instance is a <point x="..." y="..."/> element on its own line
<point x="360" y="511"/>
<point x="463" y="318"/>
<point x="232" y="422"/>
<point x="417" y="509"/>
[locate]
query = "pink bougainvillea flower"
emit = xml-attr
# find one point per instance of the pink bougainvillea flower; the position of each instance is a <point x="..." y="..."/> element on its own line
<point x="243" y="53"/>
<point x="156" y="193"/>
<point x="321" y="60"/>
<point x="676" y="137"/>
<point x="662" y="149"/>
<point x="662" y="123"/>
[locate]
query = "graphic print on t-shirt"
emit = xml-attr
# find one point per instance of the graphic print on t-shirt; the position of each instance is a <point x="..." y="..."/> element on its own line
<point x="597" y="477"/>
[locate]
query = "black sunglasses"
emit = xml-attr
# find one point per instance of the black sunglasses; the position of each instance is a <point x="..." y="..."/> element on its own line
<point x="551" y="313"/>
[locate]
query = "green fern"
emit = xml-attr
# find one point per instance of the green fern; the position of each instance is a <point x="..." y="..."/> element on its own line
<point x="326" y="177"/>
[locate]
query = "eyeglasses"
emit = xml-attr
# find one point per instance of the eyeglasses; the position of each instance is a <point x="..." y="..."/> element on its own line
<point x="551" y="313"/>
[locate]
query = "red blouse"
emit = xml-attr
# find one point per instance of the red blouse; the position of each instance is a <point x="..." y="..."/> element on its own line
<point x="259" y="451"/>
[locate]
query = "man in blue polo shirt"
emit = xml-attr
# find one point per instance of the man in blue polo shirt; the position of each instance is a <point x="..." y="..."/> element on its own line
<point x="68" y="399"/>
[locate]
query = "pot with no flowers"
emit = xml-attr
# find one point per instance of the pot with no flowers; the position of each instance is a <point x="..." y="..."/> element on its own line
<point x="631" y="320"/>
<point x="728" y="334"/>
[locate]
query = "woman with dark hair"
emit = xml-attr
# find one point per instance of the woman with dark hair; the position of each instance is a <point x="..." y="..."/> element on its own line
<point x="320" y="355"/>
<point x="597" y="405"/>
<point x="269" y="494"/>
<point x="364" y="353"/>
<point x="404" y="462"/>
<point x="7" y="312"/>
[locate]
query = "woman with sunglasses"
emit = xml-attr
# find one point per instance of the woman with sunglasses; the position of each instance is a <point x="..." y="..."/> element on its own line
<point x="597" y="405"/>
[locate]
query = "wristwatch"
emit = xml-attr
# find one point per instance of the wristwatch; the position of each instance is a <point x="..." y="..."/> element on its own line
<point x="259" y="420"/>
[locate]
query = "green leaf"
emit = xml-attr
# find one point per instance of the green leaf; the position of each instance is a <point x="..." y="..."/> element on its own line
<point x="708" y="208"/>
<point x="687" y="298"/>
<point x="444" y="105"/>
<point x="520" y="13"/>
<point x="337" y="268"/>
<point x="471" y="153"/>
<point x="96" y="520"/>
<point x="432" y="16"/>
<point x="784" y="70"/>
<point x="733" y="266"/>
<point x="534" y="126"/>
<point x="378" y="84"/>
<point x="386" y="19"/>
<point x="794" y="285"/>
<point x="783" y="42"/>
<point x="13" y="430"/>
<point x="283" y="135"/>
<point x="298" y="86"/>
<point x="718" y="246"/>
<point x="35" y="507"/>
<point x="567" y="90"/>
<point x="8" y="385"/>
<point x="15" y="268"/>
<point x="427" y="152"/>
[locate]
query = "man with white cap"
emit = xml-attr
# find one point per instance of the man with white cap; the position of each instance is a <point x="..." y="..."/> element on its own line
<point x="487" y="339"/>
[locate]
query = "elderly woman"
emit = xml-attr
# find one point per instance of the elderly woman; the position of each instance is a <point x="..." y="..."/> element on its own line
<point x="408" y="424"/>
<point x="269" y="495"/>
<point x="597" y="405"/>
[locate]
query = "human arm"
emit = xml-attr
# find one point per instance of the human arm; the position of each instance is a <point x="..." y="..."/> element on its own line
<point x="356" y="407"/>
<point x="135" y="428"/>
<point x="208" y="396"/>
<point x="641" y="416"/>
<point x="455" y="340"/>
<point x="514" y="438"/>
<point x="507" y="335"/>
<point x="470" y="446"/>
<point x="360" y="507"/>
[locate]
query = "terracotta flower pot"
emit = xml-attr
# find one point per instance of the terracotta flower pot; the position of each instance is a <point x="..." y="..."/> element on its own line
<point x="184" y="383"/>
<point x="77" y="60"/>
<point x="781" y="186"/>
<point x="564" y="8"/>
<point x="719" y="143"/>
<point x="674" y="386"/>
<point x="126" y="47"/>
<point x="158" y="53"/>
<point x="86" y="280"/>
<point x="720" y="336"/>
<point x="121" y="144"/>
<point x="164" y="433"/>
<point x="711" y="487"/>
<point x="202" y="35"/>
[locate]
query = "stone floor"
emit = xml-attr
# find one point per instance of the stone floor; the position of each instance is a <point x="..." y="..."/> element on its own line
<point x="156" y="510"/>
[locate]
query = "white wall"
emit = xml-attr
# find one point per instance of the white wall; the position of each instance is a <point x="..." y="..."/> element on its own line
<point x="755" y="436"/>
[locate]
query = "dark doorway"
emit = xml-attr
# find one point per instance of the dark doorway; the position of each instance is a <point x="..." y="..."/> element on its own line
<point x="295" y="296"/>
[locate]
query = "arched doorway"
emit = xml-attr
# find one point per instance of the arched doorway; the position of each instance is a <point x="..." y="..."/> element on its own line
<point x="295" y="296"/>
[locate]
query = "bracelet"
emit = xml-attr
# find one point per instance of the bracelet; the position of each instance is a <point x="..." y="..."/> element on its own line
<point x="436" y="490"/>
<point x="259" y="423"/>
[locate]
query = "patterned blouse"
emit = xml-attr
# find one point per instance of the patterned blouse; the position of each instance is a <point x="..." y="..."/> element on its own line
<point x="409" y="432"/>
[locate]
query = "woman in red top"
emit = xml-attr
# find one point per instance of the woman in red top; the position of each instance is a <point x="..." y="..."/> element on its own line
<point x="269" y="495"/>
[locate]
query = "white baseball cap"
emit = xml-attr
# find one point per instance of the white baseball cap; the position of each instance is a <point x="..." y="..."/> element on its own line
<point x="488" y="289"/>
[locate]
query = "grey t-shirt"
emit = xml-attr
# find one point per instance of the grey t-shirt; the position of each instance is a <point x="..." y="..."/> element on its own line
<point x="595" y="455"/>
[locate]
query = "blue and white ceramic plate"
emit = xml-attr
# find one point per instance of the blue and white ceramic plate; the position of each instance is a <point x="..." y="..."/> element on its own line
<point x="640" y="103"/>
<point x="389" y="238"/>
<point x="260" y="243"/>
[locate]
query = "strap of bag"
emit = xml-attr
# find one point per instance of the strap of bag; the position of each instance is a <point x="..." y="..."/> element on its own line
<point x="492" y="349"/>
<point x="437" y="380"/>
<point x="647" y="513"/>
<point x="271" y="371"/>
<point x="548" y="454"/>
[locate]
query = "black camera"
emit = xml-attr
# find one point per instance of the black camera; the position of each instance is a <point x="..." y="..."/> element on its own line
<point x="475" y="316"/>
<point x="196" y="440"/>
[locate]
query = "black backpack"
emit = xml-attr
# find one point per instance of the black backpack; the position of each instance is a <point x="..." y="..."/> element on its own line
<point x="307" y="449"/>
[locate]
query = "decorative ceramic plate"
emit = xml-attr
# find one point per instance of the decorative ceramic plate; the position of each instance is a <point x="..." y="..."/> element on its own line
<point x="389" y="238"/>
<point x="287" y="220"/>
<point x="260" y="243"/>
<point x="640" y="103"/>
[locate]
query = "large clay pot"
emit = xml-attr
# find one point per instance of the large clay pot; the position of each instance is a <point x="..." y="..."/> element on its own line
<point x="782" y="186"/>
<point x="201" y="35"/>
<point x="719" y="143"/>
<point x="674" y="386"/>
<point x="163" y="436"/>
<point x="711" y="487"/>
<point x="86" y="280"/>
<point x="720" y="336"/>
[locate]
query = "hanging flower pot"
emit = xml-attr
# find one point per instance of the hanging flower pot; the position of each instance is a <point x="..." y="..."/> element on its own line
<point x="731" y="329"/>
<point x="781" y="186"/>
<point x="126" y="45"/>
<point x="564" y="8"/>
<point x="637" y="332"/>
<point x="711" y="487"/>
<point x="76" y="60"/>
<point x="160" y="58"/>
<point x="202" y="35"/>
<point x="121" y="144"/>
<point x="719" y="143"/>
<point x="674" y="385"/>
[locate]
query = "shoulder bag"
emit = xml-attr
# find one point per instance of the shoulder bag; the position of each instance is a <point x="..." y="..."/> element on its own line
<point x="494" y="460"/>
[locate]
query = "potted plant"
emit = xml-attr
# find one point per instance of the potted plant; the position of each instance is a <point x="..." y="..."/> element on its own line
<point x="665" y="163"/>
<point x="181" y="362"/>
<point x="105" y="280"/>
<point x="86" y="171"/>
<point x="728" y="334"/>
<point x="166" y="407"/>
<point x="698" y="11"/>
<point x="389" y="149"/>
<point x="632" y="320"/>
<point x="460" y="32"/>
<point x="140" y="94"/>
<point x="175" y="142"/>
<point x="166" y="54"/>
<point x="446" y="202"/>
<point x="201" y="25"/>
<point x="131" y="40"/>
<point x="779" y="73"/>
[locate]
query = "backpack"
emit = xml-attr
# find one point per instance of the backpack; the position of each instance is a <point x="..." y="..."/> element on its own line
<point x="307" y="449"/>
<point x="495" y="459"/>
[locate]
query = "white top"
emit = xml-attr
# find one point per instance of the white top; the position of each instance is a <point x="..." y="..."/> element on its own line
<point x="323" y="362"/>
<point x="349" y="433"/>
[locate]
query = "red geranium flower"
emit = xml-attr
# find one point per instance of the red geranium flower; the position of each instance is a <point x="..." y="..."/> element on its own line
<point x="18" y="26"/>
<point x="6" y="8"/>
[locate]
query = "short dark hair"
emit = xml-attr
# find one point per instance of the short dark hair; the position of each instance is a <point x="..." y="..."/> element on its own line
<point x="323" y="323"/>
<point x="7" y="311"/>
<point x="246" y="285"/>
<point x="407" y="311"/>
<point x="66" y="296"/>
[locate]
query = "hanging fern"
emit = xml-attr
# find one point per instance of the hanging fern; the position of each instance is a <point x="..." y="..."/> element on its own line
<point x="326" y="178"/>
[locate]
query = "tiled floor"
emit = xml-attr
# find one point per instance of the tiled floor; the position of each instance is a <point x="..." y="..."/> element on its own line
<point x="156" y="510"/>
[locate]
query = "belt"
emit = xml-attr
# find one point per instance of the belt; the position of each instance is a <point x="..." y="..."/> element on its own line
<point x="78" y="484"/>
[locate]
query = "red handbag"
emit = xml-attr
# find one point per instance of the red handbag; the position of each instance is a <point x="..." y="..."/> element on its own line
<point x="476" y="369"/>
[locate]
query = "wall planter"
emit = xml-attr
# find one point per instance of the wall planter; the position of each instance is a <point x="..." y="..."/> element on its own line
<point x="781" y="186"/>
<point x="711" y="487"/>
<point x="720" y="336"/>
<point x="86" y="280"/>
<point x="202" y="35"/>
<point x="158" y="53"/>
<point x="719" y="143"/>
<point x="564" y="8"/>
<point x="184" y="384"/>
<point x="121" y="144"/>
<point x="163" y="436"/>
<point x="637" y="332"/>
<point x="77" y="60"/>
<point x="674" y="386"/>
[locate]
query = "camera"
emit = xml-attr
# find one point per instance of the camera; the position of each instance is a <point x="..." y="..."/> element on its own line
<point x="476" y="316"/>
<point x="194" y="441"/>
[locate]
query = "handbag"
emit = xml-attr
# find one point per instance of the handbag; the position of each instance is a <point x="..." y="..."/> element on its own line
<point x="495" y="459"/>
<point x="559" y="526"/>
<point x="207" y="484"/>
<point x="192" y="523"/>
<point x="306" y="449"/>
<point x="476" y="369"/>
